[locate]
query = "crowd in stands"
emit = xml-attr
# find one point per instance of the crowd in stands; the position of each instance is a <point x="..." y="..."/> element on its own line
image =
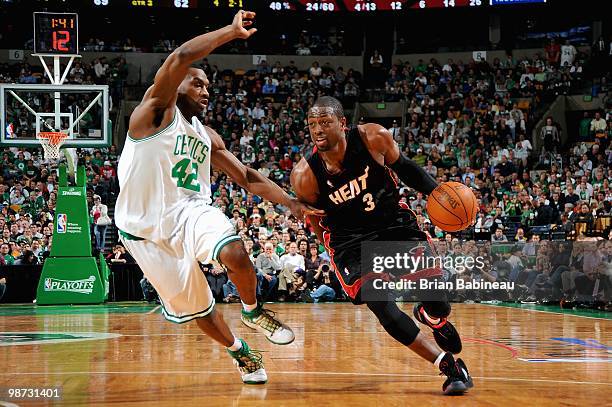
<point x="249" y="94"/>
<point x="466" y="122"/>
<point x="324" y="42"/>
<point x="479" y="83"/>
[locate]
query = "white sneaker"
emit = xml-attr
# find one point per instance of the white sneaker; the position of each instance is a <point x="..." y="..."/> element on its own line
<point x="265" y="321"/>
<point x="257" y="377"/>
<point x="250" y="364"/>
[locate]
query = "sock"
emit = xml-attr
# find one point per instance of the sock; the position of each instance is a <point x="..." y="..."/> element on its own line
<point x="236" y="346"/>
<point x="446" y="363"/>
<point x="430" y="319"/>
<point x="249" y="308"/>
<point x="439" y="359"/>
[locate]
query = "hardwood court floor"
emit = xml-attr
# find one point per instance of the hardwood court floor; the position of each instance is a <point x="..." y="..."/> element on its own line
<point x="340" y="357"/>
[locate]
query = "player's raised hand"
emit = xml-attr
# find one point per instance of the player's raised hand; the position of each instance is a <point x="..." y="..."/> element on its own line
<point x="300" y="209"/>
<point x="243" y="20"/>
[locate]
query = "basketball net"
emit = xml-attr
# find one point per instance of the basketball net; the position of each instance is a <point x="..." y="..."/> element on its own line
<point x="51" y="142"/>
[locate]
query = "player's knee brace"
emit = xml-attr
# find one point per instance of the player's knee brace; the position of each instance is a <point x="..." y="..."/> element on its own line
<point x="397" y="324"/>
<point x="437" y="309"/>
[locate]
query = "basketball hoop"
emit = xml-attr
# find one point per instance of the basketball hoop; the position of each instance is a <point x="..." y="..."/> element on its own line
<point x="51" y="142"/>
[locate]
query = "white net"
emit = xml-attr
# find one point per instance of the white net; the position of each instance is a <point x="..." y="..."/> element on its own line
<point x="51" y="143"/>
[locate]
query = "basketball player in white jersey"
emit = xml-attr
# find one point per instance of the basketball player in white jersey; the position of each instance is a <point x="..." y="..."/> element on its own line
<point x="164" y="210"/>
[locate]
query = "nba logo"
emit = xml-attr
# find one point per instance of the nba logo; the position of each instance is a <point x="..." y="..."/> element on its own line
<point x="61" y="222"/>
<point x="47" y="284"/>
<point x="10" y="131"/>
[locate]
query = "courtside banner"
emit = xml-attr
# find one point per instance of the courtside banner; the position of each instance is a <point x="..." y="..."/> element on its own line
<point x="482" y="271"/>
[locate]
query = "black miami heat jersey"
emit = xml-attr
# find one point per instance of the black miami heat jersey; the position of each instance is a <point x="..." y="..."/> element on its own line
<point x="359" y="199"/>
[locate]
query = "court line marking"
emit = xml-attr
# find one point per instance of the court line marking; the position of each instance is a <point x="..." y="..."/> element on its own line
<point x="194" y="372"/>
<point x="477" y="341"/>
<point x="566" y="360"/>
<point x="154" y="310"/>
<point x="541" y="311"/>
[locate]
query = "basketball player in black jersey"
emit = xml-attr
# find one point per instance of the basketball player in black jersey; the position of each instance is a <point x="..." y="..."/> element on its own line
<point x="348" y="176"/>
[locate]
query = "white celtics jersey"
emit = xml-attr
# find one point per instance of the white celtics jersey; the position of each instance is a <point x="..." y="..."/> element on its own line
<point x="161" y="175"/>
<point x="568" y="53"/>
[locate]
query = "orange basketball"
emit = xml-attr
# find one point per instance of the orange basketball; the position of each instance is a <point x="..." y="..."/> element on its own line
<point x="452" y="206"/>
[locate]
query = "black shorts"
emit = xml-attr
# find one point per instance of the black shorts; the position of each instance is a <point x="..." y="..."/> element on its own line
<point x="345" y="251"/>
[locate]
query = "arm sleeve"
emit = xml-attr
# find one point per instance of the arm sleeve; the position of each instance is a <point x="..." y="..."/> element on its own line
<point x="413" y="176"/>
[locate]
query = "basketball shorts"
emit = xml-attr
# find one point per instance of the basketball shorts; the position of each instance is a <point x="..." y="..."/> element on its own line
<point x="345" y="252"/>
<point x="172" y="265"/>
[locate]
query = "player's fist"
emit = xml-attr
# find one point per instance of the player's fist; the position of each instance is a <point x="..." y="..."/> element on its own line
<point x="243" y="20"/>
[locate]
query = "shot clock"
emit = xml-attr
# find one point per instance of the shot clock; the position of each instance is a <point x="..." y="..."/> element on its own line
<point x="56" y="33"/>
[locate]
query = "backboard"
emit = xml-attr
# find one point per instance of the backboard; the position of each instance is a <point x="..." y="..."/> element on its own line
<point x="81" y="111"/>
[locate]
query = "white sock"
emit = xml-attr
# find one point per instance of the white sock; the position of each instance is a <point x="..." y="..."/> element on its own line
<point x="236" y="346"/>
<point x="430" y="319"/>
<point x="439" y="359"/>
<point x="249" y="308"/>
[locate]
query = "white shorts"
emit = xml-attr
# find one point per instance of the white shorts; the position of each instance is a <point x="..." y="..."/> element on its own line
<point x="172" y="266"/>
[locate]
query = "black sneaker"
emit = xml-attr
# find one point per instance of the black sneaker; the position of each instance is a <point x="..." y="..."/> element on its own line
<point x="458" y="379"/>
<point x="444" y="332"/>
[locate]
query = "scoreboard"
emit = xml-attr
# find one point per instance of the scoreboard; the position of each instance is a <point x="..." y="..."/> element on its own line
<point x="357" y="6"/>
<point x="180" y="4"/>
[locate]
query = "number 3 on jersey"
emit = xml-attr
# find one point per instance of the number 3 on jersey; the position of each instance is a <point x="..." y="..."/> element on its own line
<point x="185" y="179"/>
<point x="369" y="201"/>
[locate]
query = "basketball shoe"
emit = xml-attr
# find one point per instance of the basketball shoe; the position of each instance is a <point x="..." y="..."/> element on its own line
<point x="265" y="321"/>
<point x="249" y="364"/>
<point x="458" y="379"/>
<point x="444" y="332"/>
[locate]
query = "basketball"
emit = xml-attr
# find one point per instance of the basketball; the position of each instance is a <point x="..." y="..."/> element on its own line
<point x="452" y="206"/>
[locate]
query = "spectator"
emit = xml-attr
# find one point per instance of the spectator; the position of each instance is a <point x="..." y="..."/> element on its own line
<point x="230" y="292"/>
<point x="268" y="265"/>
<point x="148" y="291"/>
<point x="598" y="125"/>
<point x="550" y="137"/>
<point x="291" y="262"/>
<point x="26" y="259"/>
<point x="553" y="52"/>
<point x="5" y="252"/>
<point x="216" y="278"/>
<point x="119" y="255"/>
<point x="568" y="54"/>
<point x="315" y="71"/>
<point x="269" y="88"/>
<point x="499" y="236"/>
<point x="325" y="286"/>
<point x="101" y="220"/>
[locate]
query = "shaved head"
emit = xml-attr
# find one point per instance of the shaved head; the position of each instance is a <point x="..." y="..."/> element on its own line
<point x="326" y="105"/>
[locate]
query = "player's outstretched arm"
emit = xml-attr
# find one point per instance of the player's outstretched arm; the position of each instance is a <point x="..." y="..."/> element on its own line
<point x="176" y="66"/>
<point x="253" y="181"/>
<point x="306" y="187"/>
<point x="381" y="141"/>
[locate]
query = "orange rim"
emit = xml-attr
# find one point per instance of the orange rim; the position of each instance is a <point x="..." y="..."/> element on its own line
<point x="54" y="137"/>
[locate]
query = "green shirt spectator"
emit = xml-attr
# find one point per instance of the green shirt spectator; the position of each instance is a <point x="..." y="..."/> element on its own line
<point x="4" y="252"/>
<point x="585" y="127"/>
<point x="420" y="159"/>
